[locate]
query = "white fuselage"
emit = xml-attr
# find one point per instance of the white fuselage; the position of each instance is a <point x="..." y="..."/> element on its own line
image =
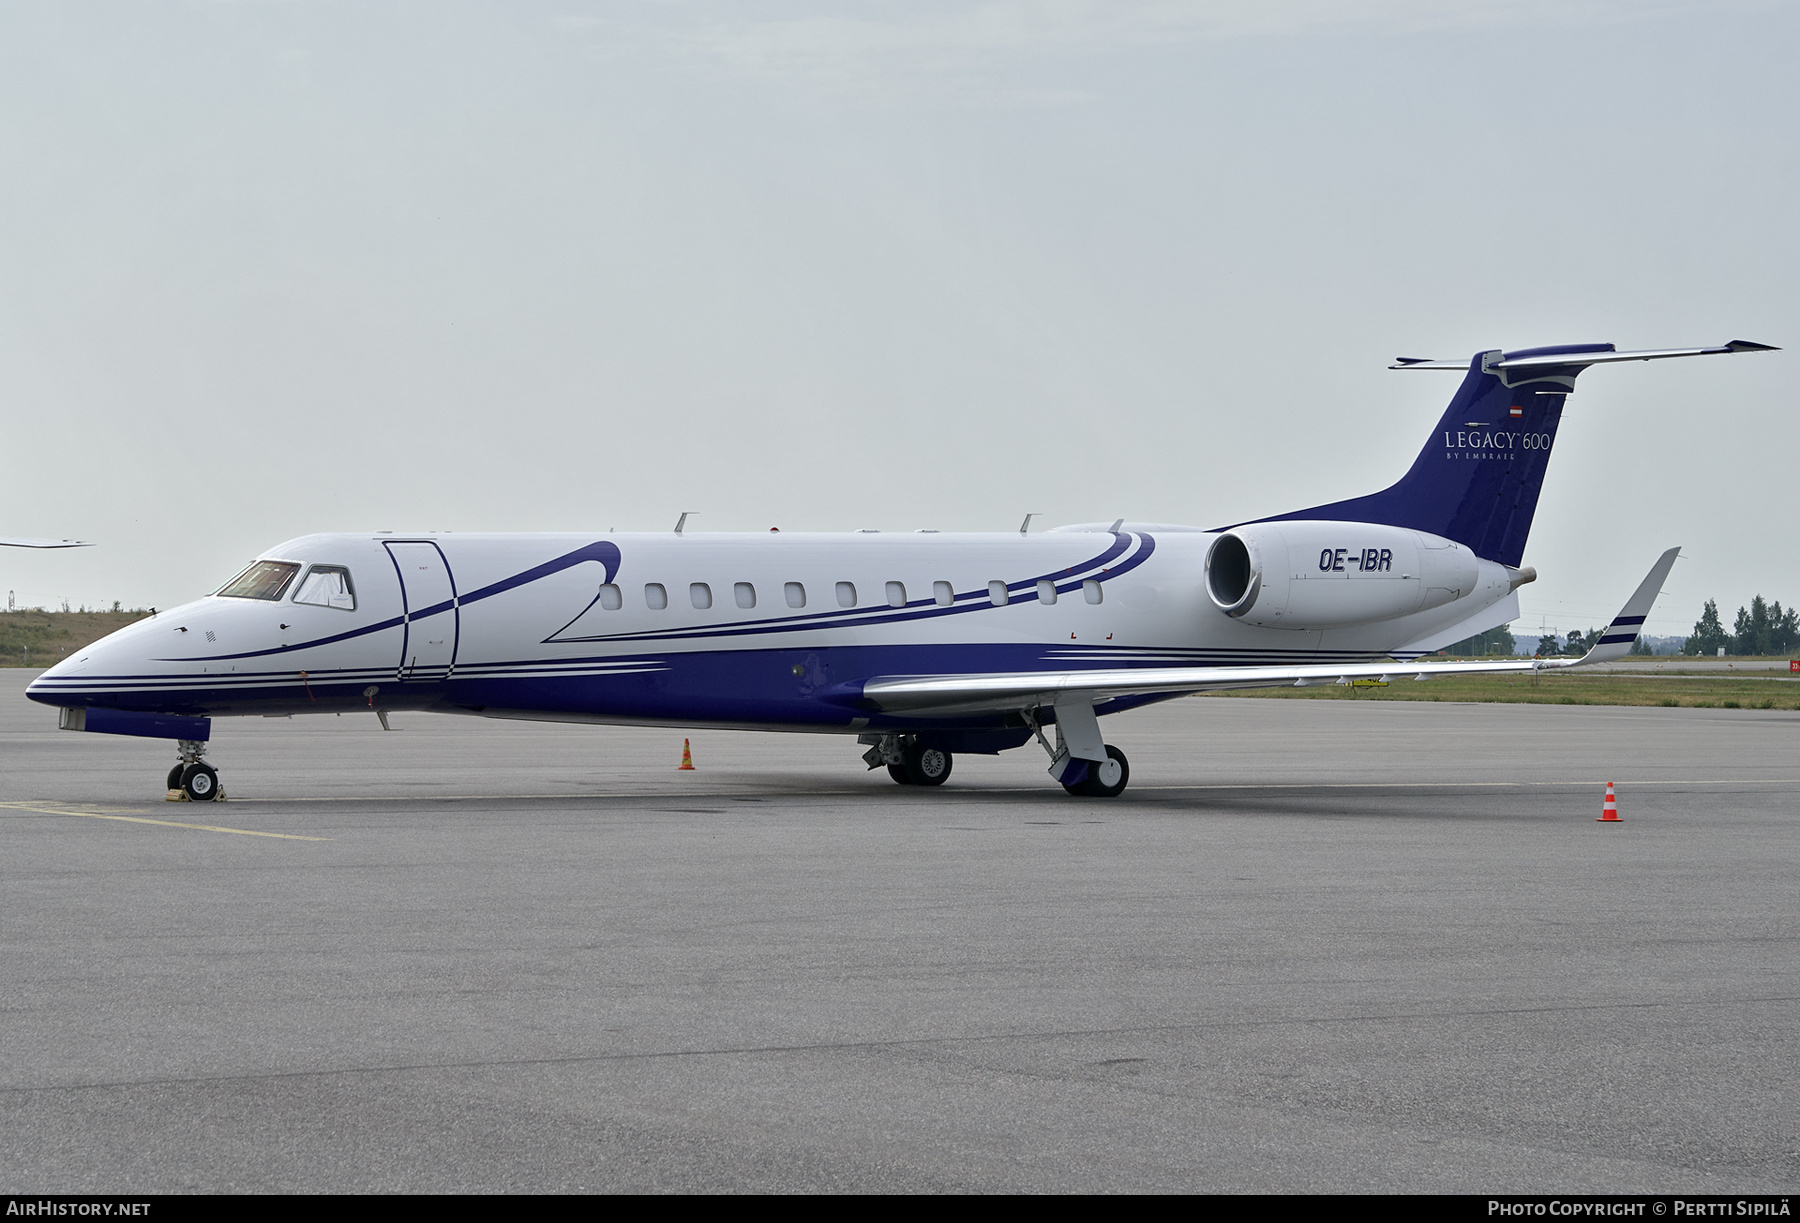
<point x="770" y="630"/>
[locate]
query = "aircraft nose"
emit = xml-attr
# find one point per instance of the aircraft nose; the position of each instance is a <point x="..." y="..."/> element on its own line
<point x="87" y="673"/>
<point x="54" y="686"/>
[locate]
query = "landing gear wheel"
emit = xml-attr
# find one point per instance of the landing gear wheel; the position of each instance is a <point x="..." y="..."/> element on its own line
<point x="175" y="777"/>
<point x="898" y="773"/>
<point x="200" y="782"/>
<point x="926" y="766"/>
<point x="1104" y="780"/>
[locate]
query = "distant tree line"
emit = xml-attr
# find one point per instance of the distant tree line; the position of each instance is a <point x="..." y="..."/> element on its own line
<point x="83" y="610"/>
<point x="1761" y="628"/>
<point x="1501" y="641"/>
<point x="1578" y="643"/>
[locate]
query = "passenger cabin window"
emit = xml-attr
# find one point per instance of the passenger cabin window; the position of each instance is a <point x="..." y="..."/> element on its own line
<point x="796" y="594"/>
<point x="700" y="594"/>
<point x="1046" y="591"/>
<point x="327" y="586"/>
<point x="944" y="593"/>
<point x="610" y="597"/>
<point x="997" y="593"/>
<point x="263" y="580"/>
<point x="1090" y="590"/>
<point x="745" y="594"/>
<point x="655" y="596"/>
<point x="896" y="593"/>
<point x="846" y="593"/>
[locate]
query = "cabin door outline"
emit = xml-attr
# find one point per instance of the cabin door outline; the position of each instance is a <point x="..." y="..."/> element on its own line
<point x="428" y="643"/>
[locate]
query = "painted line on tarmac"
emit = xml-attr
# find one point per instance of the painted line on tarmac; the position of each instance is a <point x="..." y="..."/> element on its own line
<point x="139" y="819"/>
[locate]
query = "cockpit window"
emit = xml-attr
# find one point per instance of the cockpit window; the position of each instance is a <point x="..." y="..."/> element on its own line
<point x="263" y="580"/>
<point x="327" y="586"/>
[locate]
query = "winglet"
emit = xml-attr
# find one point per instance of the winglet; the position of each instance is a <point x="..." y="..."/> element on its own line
<point x="1615" y="641"/>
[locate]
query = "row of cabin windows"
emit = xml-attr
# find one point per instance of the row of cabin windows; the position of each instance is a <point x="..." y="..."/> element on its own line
<point x="330" y="586"/>
<point x="656" y="595"/>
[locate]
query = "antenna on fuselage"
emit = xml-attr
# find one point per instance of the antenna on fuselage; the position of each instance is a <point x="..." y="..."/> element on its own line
<point x="1026" y="525"/>
<point x="682" y="521"/>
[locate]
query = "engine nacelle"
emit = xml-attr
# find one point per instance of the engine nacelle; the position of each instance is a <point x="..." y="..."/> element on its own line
<point x="1320" y="575"/>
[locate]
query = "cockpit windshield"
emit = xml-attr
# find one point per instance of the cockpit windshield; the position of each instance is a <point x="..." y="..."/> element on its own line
<point x="327" y="586"/>
<point x="263" y="580"/>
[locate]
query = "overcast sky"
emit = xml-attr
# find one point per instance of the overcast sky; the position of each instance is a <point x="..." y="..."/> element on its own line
<point x="275" y="268"/>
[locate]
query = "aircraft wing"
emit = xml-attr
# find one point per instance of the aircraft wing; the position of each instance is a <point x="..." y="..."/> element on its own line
<point x="958" y="694"/>
<point x="17" y="541"/>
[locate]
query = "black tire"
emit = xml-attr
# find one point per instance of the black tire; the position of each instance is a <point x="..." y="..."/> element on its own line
<point x="927" y="766"/>
<point x="201" y="782"/>
<point x="898" y="773"/>
<point x="175" y="777"/>
<point x="1095" y="787"/>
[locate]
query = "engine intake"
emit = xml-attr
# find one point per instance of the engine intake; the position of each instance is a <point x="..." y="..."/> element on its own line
<point x="1232" y="577"/>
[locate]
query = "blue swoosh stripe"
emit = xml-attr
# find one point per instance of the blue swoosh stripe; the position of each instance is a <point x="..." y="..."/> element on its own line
<point x="604" y="551"/>
<point x="969" y="601"/>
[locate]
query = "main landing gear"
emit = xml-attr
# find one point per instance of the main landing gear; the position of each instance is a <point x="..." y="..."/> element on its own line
<point x="911" y="764"/>
<point x="907" y="762"/>
<point x="197" y="780"/>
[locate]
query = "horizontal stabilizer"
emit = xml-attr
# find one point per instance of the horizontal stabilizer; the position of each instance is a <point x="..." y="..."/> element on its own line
<point x="1602" y="354"/>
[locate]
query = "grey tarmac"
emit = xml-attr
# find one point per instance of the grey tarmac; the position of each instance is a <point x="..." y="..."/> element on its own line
<point x="1317" y="946"/>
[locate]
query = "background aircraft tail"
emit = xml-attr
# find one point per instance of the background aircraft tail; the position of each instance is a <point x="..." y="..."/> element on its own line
<point x="1478" y="477"/>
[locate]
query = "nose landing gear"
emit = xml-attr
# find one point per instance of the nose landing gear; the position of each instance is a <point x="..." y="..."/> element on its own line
<point x="193" y="780"/>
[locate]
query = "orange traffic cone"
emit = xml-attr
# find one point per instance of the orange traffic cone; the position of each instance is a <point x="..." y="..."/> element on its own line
<point x="1609" y="813"/>
<point x="687" y="758"/>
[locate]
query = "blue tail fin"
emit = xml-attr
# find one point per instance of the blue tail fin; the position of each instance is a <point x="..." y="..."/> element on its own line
<point x="1477" y="479"/>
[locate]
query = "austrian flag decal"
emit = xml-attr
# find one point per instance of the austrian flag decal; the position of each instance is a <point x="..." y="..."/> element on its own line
<point x="1517" y="411"/>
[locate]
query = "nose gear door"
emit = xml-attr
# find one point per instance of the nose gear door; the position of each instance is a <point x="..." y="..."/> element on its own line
<point x="433" y="619"/>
